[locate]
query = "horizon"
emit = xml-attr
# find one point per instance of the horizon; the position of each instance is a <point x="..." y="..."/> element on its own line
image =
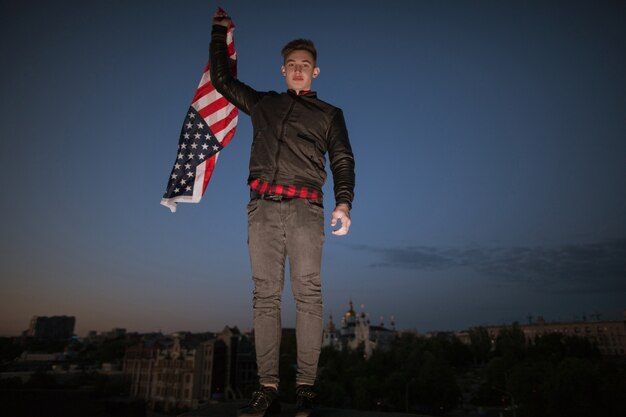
<point x="583" y="318"/>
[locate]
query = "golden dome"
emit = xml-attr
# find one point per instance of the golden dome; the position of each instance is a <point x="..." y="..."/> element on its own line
<point x="350" y="312"/>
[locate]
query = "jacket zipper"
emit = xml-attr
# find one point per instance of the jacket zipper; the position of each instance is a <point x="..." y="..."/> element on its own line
<point x="281" y="139"/>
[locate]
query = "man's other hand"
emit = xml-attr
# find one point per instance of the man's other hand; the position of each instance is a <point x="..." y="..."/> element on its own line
<point x="341" y="213"/>
<point x="221" y="18"/>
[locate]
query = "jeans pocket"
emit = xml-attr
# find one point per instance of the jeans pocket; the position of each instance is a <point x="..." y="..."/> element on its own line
<point x="315" y="207"/>
<point x="253" y="207"/>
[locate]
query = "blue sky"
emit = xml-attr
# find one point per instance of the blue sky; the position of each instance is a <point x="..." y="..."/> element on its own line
<point x="489" y="140"/>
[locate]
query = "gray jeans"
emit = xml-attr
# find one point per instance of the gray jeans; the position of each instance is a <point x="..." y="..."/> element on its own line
<point x="292" y="228"/>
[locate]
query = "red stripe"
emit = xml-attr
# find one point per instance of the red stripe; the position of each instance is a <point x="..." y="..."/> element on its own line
<point x="228" y="137"/>
<point x="207" y="88"/>
<point x="223" y="123"/>
<point x="210" y="166"/>
<point x="212" y="107"/>
<point x="219" y="126"/>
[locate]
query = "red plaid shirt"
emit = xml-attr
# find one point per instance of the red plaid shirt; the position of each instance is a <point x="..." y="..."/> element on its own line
<point x="264" y="187"/>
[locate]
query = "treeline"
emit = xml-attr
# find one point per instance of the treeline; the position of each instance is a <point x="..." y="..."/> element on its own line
<point x="556" y="376"/>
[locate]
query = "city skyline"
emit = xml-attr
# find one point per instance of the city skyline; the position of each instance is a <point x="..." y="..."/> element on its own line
<point x="488" y="139"/>
<point x="386" y="322"/>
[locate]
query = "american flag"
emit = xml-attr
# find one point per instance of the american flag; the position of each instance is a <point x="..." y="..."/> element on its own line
<point x="209" y="126"/>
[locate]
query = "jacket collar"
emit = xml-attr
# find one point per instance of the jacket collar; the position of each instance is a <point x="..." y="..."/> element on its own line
<point x="308" y="93"/>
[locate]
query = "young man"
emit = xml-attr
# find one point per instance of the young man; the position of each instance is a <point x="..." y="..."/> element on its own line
<point x="293" y="131"/>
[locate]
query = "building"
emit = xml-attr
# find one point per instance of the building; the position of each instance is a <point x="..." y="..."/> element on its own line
<point x="187" y="370"/>
<point x="138" y="364"/>
<point x="245" y="365"/>
<point x="239" y="361"/>
<point x="183" y="374"/>
<point x="357" y="331"/>
<point x="608" y="335"/>
<point x="51" y="328"/>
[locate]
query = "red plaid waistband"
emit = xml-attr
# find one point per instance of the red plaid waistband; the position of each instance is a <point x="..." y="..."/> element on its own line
<point x="289" y="191"/>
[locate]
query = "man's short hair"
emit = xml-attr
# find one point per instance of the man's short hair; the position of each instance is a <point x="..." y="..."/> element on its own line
<point x="300" y="44"/>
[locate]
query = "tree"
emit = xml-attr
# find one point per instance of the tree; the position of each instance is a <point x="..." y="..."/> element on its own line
<point x="511" y="343"/>
<point x="436" y="383"/>
<point x="576" y="388"/>
<point x="480" y="344"/>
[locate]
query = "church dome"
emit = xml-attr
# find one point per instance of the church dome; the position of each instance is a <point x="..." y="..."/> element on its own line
<point x="350" y="312"/>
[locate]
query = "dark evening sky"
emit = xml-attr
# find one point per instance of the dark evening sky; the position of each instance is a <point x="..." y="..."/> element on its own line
<point x="489" y="137"/>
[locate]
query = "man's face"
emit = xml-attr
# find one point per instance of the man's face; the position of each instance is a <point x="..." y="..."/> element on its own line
<point x="299" y="70"/>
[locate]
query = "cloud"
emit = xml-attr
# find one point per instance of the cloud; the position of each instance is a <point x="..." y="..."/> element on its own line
<point x="410" y="257"/>
<point x="592" y="267"/>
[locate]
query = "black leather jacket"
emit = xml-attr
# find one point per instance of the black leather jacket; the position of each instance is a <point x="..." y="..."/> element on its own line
<point x="292" y="133"/>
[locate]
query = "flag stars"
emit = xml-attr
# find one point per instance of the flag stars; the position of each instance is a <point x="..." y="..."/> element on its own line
<point x="197" y="144"/>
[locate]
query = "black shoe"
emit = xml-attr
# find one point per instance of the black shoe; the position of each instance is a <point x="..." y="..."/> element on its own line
<point x="263" y="403"/>
<point x="306" y="404"/>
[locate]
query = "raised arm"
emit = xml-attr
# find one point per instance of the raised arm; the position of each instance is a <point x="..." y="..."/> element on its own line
<point x="236" y="92"/>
